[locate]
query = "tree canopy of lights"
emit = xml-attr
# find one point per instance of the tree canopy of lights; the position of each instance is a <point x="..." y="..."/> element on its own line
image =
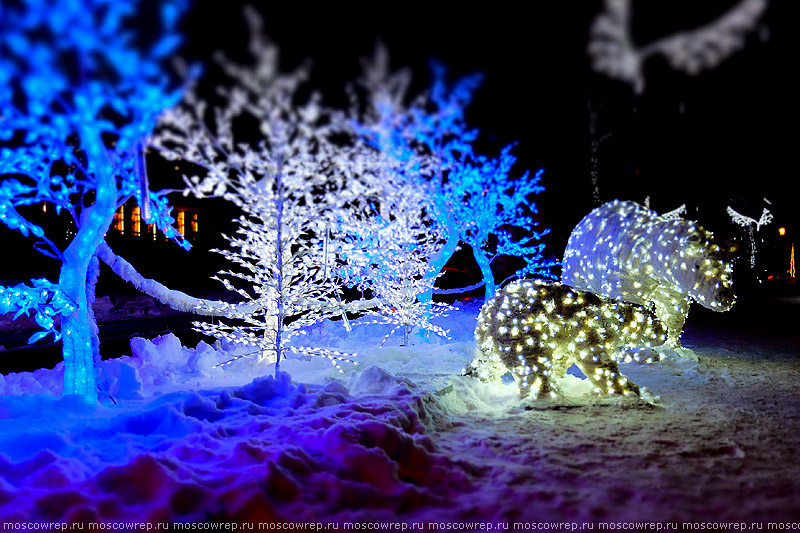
<point x="624" y="251"/>
<point x="289" y="180"/>
<point x="473" y="198"/>
<point x="388" y="255"/>
<point x="538" y="329"/>
<point x="613" y="52"/>
<point x="79" y="93"/>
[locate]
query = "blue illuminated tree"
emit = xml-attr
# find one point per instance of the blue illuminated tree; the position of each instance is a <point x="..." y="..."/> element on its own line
<point x="79" y="93"/>
<point x="429" y="147"/>
<point x="495" y="216"/>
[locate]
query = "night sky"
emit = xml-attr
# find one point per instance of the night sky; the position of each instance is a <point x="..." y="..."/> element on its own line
<point x="724" y="137"/>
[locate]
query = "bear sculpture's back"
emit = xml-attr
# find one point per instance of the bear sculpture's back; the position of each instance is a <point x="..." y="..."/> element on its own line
<point x="537" y="330"/>
<point x="624" y="251"/>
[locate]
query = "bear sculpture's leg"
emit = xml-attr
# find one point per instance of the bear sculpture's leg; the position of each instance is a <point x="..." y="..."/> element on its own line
<point x="538" y="384"/>
<point x="532" y="370"/>
<point x="604" y="374"/>
<point x="671" y="308"/>
<point x="485" y="365"/>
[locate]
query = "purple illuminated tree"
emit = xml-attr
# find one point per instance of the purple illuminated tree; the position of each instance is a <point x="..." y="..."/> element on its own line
<point x="79" y="93"/>
<point x="429" y="147"/>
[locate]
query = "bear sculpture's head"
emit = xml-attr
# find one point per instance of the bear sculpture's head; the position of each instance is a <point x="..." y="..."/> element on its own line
<point x="703" y="267"/>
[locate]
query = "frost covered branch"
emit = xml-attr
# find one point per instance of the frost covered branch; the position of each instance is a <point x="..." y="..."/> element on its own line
<point x="177" y="300"/>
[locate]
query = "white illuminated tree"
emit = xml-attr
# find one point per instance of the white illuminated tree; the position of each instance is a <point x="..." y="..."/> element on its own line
<point x="386" y="251"/>
<point x="279" y="254"/>
<point x="290" y="182"/>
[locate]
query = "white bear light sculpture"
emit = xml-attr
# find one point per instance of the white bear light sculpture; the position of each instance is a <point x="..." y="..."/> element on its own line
<point x="624" y="251"/>
<point x="537" y="330"/>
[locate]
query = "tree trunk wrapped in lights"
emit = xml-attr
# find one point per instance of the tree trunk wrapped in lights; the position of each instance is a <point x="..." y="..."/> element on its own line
<point x="624" y="251"/>
<point x="76" y="102"/>
<point x="538" y="329"/>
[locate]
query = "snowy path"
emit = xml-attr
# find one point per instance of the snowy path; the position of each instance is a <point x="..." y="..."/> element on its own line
<point x="631" y="461"/>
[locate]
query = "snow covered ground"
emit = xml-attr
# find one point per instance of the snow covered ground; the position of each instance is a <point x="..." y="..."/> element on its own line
<point x="402" y="437"/>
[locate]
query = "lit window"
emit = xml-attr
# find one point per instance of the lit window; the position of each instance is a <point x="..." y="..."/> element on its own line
<point x="194" y="223"/>
<point x="119" y="219"/>
<point x="136" y="220"/>
<point x="181" y="219"/>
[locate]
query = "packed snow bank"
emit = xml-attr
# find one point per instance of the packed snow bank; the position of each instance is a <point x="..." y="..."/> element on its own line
<point x="186" y="440"/>
<point x="270" y="449"/>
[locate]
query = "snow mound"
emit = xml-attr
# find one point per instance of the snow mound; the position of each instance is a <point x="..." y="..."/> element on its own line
<point x="270" y="449"/>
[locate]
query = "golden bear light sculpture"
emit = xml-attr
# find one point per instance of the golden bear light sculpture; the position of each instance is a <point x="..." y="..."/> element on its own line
<point x="624" y="251"/>
<point x="538" y="329"/>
